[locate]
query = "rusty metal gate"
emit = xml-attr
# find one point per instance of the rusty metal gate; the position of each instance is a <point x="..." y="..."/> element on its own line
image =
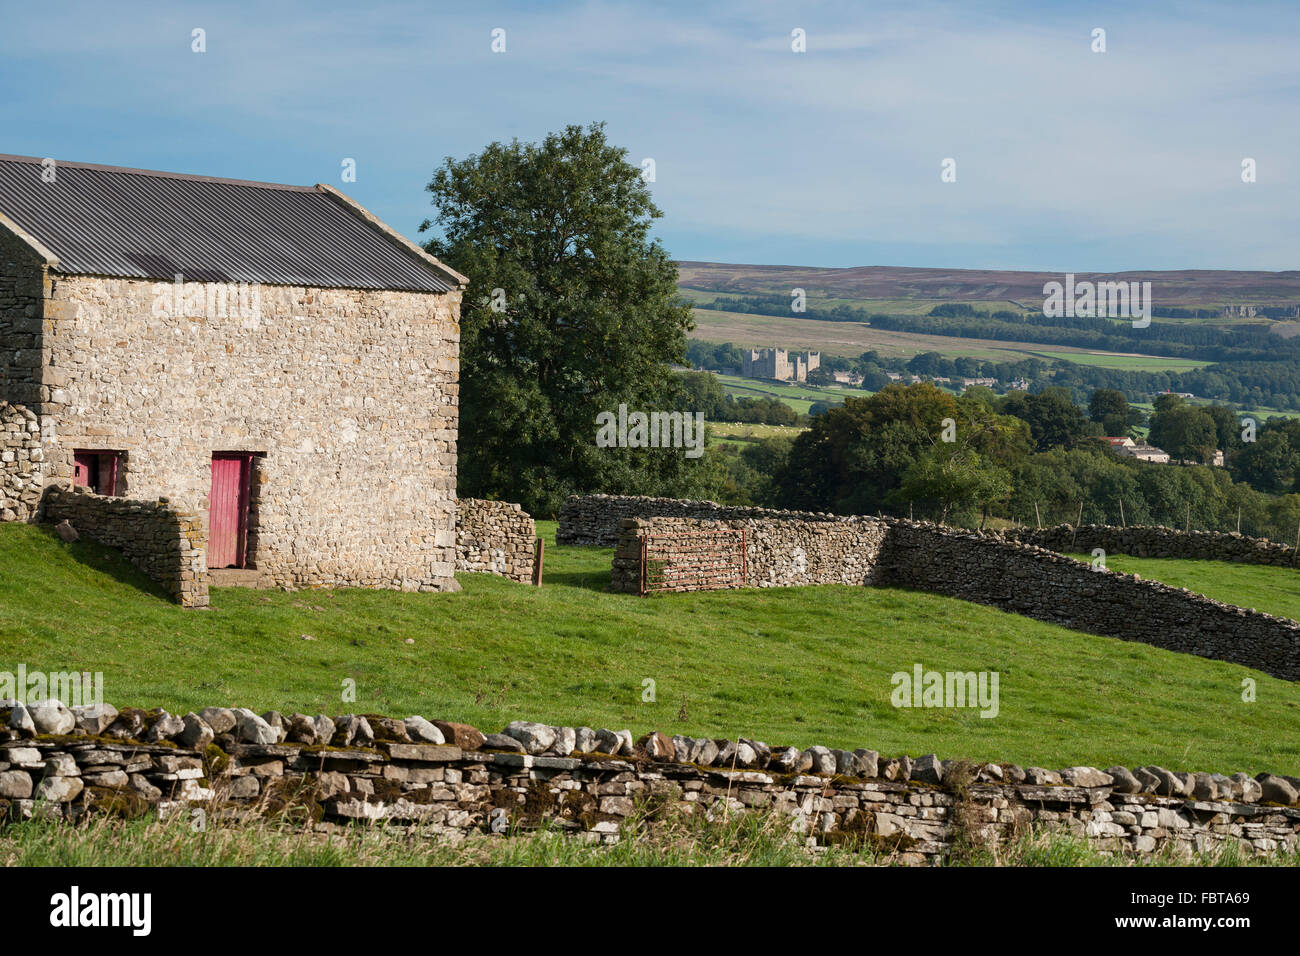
<point x="693" y="561"/>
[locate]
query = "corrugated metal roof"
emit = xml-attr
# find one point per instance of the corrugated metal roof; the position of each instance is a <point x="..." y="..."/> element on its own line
<point x="138" y="223"/>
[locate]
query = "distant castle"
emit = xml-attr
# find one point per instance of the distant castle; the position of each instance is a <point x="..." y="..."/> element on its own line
<point x="779" y="364"/>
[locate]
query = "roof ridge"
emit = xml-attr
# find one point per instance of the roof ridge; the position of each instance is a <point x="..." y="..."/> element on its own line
<point x="159" y="173"/>
<point x="147" y="224"/>
<point x="413" y="249"/>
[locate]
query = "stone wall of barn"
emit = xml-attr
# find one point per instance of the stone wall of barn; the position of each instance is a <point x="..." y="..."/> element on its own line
<point x="24" y="286"/>
<point x="496" y="537"/>
<point x="22" y="463"/>
<point x="167" y="543"/>
<point x="595" y="784"/>
<point x="349" y="399"/>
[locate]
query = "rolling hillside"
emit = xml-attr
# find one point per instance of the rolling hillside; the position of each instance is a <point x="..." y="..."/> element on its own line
<point x="1226" y="337"/>
<point x="1191" y="288"/>
<point x="851" y="339"/>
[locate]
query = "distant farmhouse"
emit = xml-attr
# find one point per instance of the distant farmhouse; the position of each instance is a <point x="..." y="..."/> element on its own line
<point x="272" y="357"/>
<point x="1128" y="448"/>
<point x="780" y="365"/>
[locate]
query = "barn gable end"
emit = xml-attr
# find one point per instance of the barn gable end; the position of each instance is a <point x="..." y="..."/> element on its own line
<point x="304" y="341"/>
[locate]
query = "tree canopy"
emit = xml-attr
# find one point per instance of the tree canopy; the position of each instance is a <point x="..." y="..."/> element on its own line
<point x="571" y="310"/>
<point x="1187" y="432"/>
<point x="870" y="454"/>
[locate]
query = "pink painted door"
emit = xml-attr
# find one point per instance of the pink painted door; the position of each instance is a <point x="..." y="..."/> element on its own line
<point x="83" y="467"/>
<point x="228" y="511"/>
<point x="96" y="470"/>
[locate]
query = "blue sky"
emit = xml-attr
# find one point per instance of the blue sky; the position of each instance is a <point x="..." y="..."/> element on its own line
<point x="1067" y="160"/>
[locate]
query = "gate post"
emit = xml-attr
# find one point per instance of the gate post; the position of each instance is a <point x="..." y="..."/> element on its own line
<point x="644" y="555"/>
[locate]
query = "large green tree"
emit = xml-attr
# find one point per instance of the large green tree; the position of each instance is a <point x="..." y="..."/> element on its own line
<point x="1054" y="420"/>
<point x="1227" y="427"/>
<point x="1272" y="461"/>
<point x="571" y="310"/>
<point x="1187" y="432"/>
<point x="1109" y="409"/>
<point x="952" y="477"/>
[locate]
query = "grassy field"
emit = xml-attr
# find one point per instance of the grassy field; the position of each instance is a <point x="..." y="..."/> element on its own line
<point x="870" y="306"/>
<point x="791" y="666"/>
<point x="1271" y="589"/>
<point x="1259" y="414"/>
<point x="848" y="339"/>
<point x="800" y="390"/>
<point x="800" y="396"/>
<point x="1130" y="363"/>
<point x="851" y="339"/>
<point x="727" y="431"/>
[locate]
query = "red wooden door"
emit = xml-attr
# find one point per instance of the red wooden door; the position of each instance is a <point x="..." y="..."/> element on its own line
<point x="82" y="468"/>
<point x="96" y="470"/>
<point x="228" y="510"/>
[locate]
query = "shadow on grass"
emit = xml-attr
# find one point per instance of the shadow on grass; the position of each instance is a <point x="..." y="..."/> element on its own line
<point x="106" y="560"/>
<point x="585" y="580"/>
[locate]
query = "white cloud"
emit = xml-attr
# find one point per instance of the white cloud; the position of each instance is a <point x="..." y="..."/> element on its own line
<point x="1131" y="156"/>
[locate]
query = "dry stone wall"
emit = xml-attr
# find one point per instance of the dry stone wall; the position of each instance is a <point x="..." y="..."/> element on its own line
<point x="496" y="537"/>
<point x="1158" y="542"/>
<point x="453" y="779"/>
<point x="1048" y="586"/>
<point x="791" y="549"/>
<point x="167" y="543"/>
<point x="788" y="550"/>
<point x="22" y="463"/>
<point x="595" y="519"/>
<point x="348" y="397"/>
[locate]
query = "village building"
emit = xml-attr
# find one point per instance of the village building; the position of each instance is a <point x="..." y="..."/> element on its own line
<point x="273" y="362"/>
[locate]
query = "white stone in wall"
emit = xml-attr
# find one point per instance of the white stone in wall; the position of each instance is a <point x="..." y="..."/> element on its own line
<point x="798" y="563"/>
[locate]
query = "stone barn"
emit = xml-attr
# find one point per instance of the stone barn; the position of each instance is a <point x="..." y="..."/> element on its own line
<point x="212" y="373"/>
